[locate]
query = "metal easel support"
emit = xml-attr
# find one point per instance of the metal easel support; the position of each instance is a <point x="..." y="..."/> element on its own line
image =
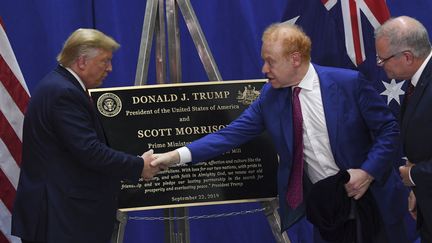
<point x="273" y="218"/>
<point x="177" y="231"/>
<point x="119" y="227"/>
<point x="155" y="10"/>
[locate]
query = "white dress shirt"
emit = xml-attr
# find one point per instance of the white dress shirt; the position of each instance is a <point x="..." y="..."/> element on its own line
<point x="77" y="77"/>
<point x="318" y="156"/>
<point x="415" y="78"/>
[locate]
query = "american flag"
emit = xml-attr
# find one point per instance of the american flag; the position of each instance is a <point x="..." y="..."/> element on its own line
<point x="14" y="97"/>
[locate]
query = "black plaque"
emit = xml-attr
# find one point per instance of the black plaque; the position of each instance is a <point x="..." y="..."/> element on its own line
<point x="166" y="117"/>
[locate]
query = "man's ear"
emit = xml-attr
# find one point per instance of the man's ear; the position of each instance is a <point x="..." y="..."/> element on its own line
<point x="81" y="62"/>
<point x="296" y="58"/>
<point x="409" y="57"/>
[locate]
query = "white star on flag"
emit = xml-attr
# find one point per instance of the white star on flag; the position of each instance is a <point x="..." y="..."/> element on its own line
<point x="393" y="90"/>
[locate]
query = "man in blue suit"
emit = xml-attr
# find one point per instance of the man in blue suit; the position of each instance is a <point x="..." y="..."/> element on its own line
<point x="70" y="178"/>
<point x="346" y="126"/>
<point x="404" y="51"/>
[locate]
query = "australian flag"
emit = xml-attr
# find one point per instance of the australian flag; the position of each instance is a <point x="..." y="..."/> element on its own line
<point x="342" y="34"/>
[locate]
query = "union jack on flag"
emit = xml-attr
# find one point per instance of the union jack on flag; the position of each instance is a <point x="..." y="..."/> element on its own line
<point x="375" y="11"/>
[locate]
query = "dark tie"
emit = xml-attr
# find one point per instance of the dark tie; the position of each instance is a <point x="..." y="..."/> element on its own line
<point x="88" y="96"/>
<point x="294" y="195"/>
<point x="409" y="90"/>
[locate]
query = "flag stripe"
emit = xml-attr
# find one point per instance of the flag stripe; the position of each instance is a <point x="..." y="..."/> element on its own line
<point x="355" y="30"/>
<point x="362" y="53"/>
<point x="378" y="9"/>
<point x="13" y="86"/>
<point x="8" y="165"/>
<point x="329" y="4"/>
<point x="5" y="226"/>
<point x="369" y="14"/>
<point x="10" y="138"/>
<point x="10" y="110"/>
<point x="3" y="238"/>
<point x="349" y="42"/>
<point x="7" y="191"/>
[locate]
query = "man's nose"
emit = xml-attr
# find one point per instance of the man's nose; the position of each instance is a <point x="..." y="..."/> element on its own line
<point x="109" y="67"/>
<point x="265" y="68"/>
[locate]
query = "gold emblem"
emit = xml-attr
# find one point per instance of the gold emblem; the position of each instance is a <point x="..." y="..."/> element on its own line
<point x="248" y="95"/>
<point x="109" y="104"/>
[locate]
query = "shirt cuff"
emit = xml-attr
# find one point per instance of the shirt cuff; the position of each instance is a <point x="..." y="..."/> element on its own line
<point x="185" y="155"/>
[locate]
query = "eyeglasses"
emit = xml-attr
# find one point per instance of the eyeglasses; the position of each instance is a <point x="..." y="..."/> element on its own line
<point x="380" y="61"/>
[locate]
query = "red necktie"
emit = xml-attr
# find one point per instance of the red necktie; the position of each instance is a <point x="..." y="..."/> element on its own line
<point x="409" y="91"/>
<point x="294" y="195"/>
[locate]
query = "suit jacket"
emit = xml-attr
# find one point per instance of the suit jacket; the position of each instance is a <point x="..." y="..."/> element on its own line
<point x="363" y="134"/>
<point x="416" y="131"/>
<point x="70" y="178"/>
<point x="338" y="216"/>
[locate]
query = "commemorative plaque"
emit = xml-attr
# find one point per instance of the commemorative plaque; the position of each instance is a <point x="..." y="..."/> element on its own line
<point x="169" y="116"/>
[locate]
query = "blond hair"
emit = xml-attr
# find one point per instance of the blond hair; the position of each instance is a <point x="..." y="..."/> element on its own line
<point x="85" y="42"/>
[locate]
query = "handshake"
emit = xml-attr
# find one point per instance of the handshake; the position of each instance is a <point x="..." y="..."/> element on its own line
<point x="153" y="163"/>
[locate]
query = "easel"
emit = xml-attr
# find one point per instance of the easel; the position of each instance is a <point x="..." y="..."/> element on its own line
<point x="154" y="10"/>
<point x="177" y="231"/>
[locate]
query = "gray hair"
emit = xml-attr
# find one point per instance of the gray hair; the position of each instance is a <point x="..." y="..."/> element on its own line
<point x="405" y="33"/>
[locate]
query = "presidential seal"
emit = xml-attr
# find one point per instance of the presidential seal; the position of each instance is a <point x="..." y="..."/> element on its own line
<point x="109" y="104"/>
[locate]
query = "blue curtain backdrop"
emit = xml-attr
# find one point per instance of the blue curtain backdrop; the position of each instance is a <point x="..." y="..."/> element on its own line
<point x="233" y="28"/>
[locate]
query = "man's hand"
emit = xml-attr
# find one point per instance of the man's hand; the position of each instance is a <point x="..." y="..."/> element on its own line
<point x="412" y="205"/>
<point x="166" y="160"/>
<point x="404" y="171"/>
<point x="149" y="171"/>
<point x="358" y="184"/>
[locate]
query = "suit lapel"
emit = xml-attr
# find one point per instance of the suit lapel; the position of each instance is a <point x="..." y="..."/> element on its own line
<point x="329" y="91"/>
<point x="98" y="124"/>
<point x="416" y="96"/>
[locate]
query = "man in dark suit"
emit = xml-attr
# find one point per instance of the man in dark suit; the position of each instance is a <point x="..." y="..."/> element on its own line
<point x="404" y="51"/>
<point x="346" y="126"/>
<point x="70" y="178"/>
